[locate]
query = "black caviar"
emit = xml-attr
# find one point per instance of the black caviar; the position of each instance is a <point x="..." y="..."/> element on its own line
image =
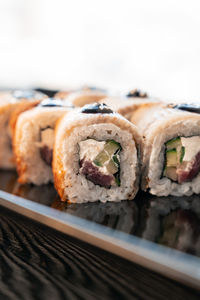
<point x="93" y="88"/>
<point x="192" y="107"/>
<point x="137" y="93"/>
<point x="96" y="108"/>
<point x="27" y="94"/>
<point x="48" y="92"/>
<point x="51" y="102"/>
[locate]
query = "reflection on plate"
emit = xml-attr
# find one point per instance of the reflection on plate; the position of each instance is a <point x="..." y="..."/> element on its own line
<point x="170" y="221"/>
<point x="119" y="215"/>
<point x="173" y="222"/>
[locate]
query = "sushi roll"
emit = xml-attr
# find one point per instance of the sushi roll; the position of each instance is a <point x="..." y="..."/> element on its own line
<point x="171" y="152"/>
<point x="96" y="156"/>
<point x="9" y="102"/>
<point x="22" y="107"/>
<point x="130" y="103"/>
<point x="63" y="94"/>
<point x="83" y="96"/>
<point x="33" y="141"/>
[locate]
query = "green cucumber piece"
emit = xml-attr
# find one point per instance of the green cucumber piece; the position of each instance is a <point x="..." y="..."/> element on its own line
<point x="112" y="147"/>
<point x="101" y="158"/>
<point x="171" y="158"/>
<point x="117" y="179"/>
<point x="112" y="167"/>
<point x="109" y="158"/>
<point x="182" y="154"/>
<point x="116" y="160"/>
<point x="170" y="172"/>
<point x="173" y="143"/>
<point x="97" y="163"/>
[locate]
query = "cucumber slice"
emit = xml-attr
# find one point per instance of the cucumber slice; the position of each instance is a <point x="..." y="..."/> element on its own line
<point x="116" y="160"/>
<point x="170" y="172"/>
<point x="112" y="167"/>
<point x="101" y="158"/>
<point x="109" y="158"/>
<point x="112" y="147"/>
<point x="171" y="158"/>
<point x="173" y="143"/>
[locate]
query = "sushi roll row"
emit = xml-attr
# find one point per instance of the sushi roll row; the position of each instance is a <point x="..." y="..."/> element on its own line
<point x="90" y="153"/>
<point x="103" y="150"/>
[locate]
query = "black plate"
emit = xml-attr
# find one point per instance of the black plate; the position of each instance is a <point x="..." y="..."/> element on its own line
<point x="166" y="221"/>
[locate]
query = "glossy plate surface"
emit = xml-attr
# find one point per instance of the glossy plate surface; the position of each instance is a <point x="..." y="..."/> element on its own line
<point x="160" y="233"/>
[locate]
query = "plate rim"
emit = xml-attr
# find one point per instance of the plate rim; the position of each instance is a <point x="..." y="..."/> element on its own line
<point x="169" y="262"/>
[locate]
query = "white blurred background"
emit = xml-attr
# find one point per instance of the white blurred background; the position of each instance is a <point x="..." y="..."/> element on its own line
<point x="153" y="45"/>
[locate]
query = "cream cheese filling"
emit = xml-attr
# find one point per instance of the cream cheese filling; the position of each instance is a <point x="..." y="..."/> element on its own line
<point x="89" y="149"/>
<point x="192" y="147"/>
<point x="47" y="138"/>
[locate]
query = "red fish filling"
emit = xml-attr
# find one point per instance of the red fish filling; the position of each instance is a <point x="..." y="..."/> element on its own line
<point x="46" y="145"/>
<point x="188" y="171"/>
<point x="46" y="154"/>
<point x="93" y="174"/>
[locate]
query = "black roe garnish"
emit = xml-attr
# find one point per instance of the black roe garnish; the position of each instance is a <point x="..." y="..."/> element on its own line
<point x="96" y="108"/>
<point x="48" y="92"/>
<point x="51" y="102"/>
<point x="93" y="88"/>
<point x="137" y="93"/>
<point x="192" y="107"/>
<point x="28" y="94"/>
